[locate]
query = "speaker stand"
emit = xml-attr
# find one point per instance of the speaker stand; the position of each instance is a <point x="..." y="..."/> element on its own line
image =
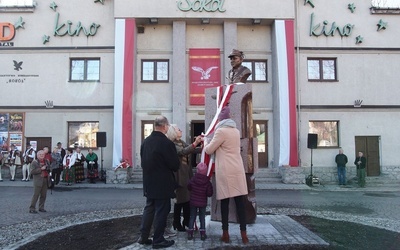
<point x="309" y="179"/>
<point x="102" y="172"/>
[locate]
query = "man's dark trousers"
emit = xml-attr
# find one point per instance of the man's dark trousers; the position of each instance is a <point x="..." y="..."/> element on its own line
<point x="157" y="210"/>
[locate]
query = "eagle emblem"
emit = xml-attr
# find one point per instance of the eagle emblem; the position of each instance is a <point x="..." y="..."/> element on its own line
<point x="205" y="75"/>
<point x="17" y="65"/>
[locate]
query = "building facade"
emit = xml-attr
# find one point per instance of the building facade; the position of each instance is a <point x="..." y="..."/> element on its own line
<point x="113" y="66"/>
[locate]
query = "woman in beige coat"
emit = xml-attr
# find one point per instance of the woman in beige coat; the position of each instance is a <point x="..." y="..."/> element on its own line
<point x="229" y="171"/>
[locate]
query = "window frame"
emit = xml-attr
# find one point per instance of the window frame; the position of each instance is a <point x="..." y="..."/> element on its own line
<point x="85" y="68"/>
<point x="253" y="72"/>
<point x="72" y="128"/>
<point x="18" y="7"/>
<point x="155" y="61"/>
<point x="144" y="123"/>
<point x="321" y="69"/>
<point x="316" y="130"/>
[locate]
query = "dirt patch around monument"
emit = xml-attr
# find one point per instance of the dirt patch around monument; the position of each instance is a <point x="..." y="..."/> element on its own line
<point x="122" y="232"/>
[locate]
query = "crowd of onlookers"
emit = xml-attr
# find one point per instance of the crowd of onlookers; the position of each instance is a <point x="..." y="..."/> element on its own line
<point x="48" y="168"/>
<point x="65" y="165"/>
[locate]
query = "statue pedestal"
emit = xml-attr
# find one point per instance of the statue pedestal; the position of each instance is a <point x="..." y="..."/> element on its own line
<point x="241" y="109"/>
<point x="119" y="176"/>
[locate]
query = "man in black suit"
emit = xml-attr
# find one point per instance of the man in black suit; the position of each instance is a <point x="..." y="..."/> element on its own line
<point x="159" y="160"/>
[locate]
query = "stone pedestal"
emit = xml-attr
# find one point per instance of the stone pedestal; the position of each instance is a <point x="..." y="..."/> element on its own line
<point x="119" y="176"/>
<point x="241" y="108"/>
<point x="292" y="175"/>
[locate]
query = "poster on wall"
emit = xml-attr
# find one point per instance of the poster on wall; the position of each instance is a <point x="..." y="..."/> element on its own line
<point x="3" y="122"/>
<point x="16" y="122"/>
<point x="204" y="72"/>
<point x="33" y="145"/>
<point x="16" y="139"/>
<point x="4" y="141"/>
<point x="11" y="130"/>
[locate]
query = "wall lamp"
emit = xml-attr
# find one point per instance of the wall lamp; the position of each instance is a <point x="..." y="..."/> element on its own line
<point x="205" y="21"/>
<point x="256" y="21"/>
<point x="153" y="20"/>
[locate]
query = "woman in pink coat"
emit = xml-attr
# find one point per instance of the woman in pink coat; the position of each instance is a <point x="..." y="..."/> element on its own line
<point x="229" y="171"/>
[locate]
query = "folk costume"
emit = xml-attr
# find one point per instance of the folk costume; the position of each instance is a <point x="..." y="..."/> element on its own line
<point x="79" y="160"/>
<point x="92" y="167"/>
<point x="13" y="160"/>
<point x="28" y="156"/>
<point x="69" y="169"/>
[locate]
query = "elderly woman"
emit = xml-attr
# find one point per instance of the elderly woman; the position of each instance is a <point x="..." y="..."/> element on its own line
<point x="55" y="163"/>
<point x="92" y="166"/>
<point x="229" y="171"/>
<point x="182" y="176"/>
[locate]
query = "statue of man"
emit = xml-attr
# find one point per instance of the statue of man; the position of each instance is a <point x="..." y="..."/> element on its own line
<point x="238" y="73"/>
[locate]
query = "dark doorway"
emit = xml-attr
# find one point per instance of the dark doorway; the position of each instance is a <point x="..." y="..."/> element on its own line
<point x="369" y="145"/>
<point x="41" y="142"/>
<point x="261" y="132"/>
<point x="196" y="128"/>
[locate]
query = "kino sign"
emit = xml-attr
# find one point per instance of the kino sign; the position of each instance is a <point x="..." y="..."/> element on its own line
<point x="7" y="32"/>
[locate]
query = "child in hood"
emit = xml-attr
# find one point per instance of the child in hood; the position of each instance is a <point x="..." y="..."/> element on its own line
<point x="200" y="188"/>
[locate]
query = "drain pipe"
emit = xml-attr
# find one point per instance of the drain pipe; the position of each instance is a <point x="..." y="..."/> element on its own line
<point x="296" y="3"/>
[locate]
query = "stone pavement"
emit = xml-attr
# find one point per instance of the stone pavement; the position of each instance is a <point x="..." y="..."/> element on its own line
<point x="268" y="230"/>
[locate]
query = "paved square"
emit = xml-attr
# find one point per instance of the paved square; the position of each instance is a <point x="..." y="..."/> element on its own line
<point x="268" y="230"/>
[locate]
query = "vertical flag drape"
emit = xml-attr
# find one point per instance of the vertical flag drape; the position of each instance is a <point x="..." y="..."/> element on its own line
<point x="285" y="49"/>
<point x="123" y="90"/>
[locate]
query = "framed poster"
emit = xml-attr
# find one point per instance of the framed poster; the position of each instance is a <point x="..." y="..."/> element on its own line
<point x="16" y="123"/>
<point x="16" y="139"/>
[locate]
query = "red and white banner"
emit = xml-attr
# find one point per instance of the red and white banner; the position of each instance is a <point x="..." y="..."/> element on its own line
<point x="123" y="90"/>
<point x="204" y="72"/>
<point x="288" y="151"/>
<point x="222" y="101"/>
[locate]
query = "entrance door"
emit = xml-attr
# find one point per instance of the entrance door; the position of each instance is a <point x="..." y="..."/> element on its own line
<point x="41" y="142"/>
<point x="369" y="145"/>
<point x="261" y="132"/>
<point x="196" y="128"/>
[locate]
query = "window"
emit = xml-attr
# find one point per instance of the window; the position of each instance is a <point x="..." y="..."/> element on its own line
<point x="15" y="3"/>
<point x="327" y="132"/>
<point x="85" y="69"/>
<point x="147" y="128"/>
<point x="17" y="6"/>
<point x="155" y="70"/>
<point x="82" y="134"/>
<point x="258" y="69"/>
<point x="321" y="69"/>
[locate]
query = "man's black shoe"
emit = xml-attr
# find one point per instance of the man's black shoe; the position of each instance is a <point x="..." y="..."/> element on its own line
<point x="163" y="244"/>
<point x="144" y="241"/>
